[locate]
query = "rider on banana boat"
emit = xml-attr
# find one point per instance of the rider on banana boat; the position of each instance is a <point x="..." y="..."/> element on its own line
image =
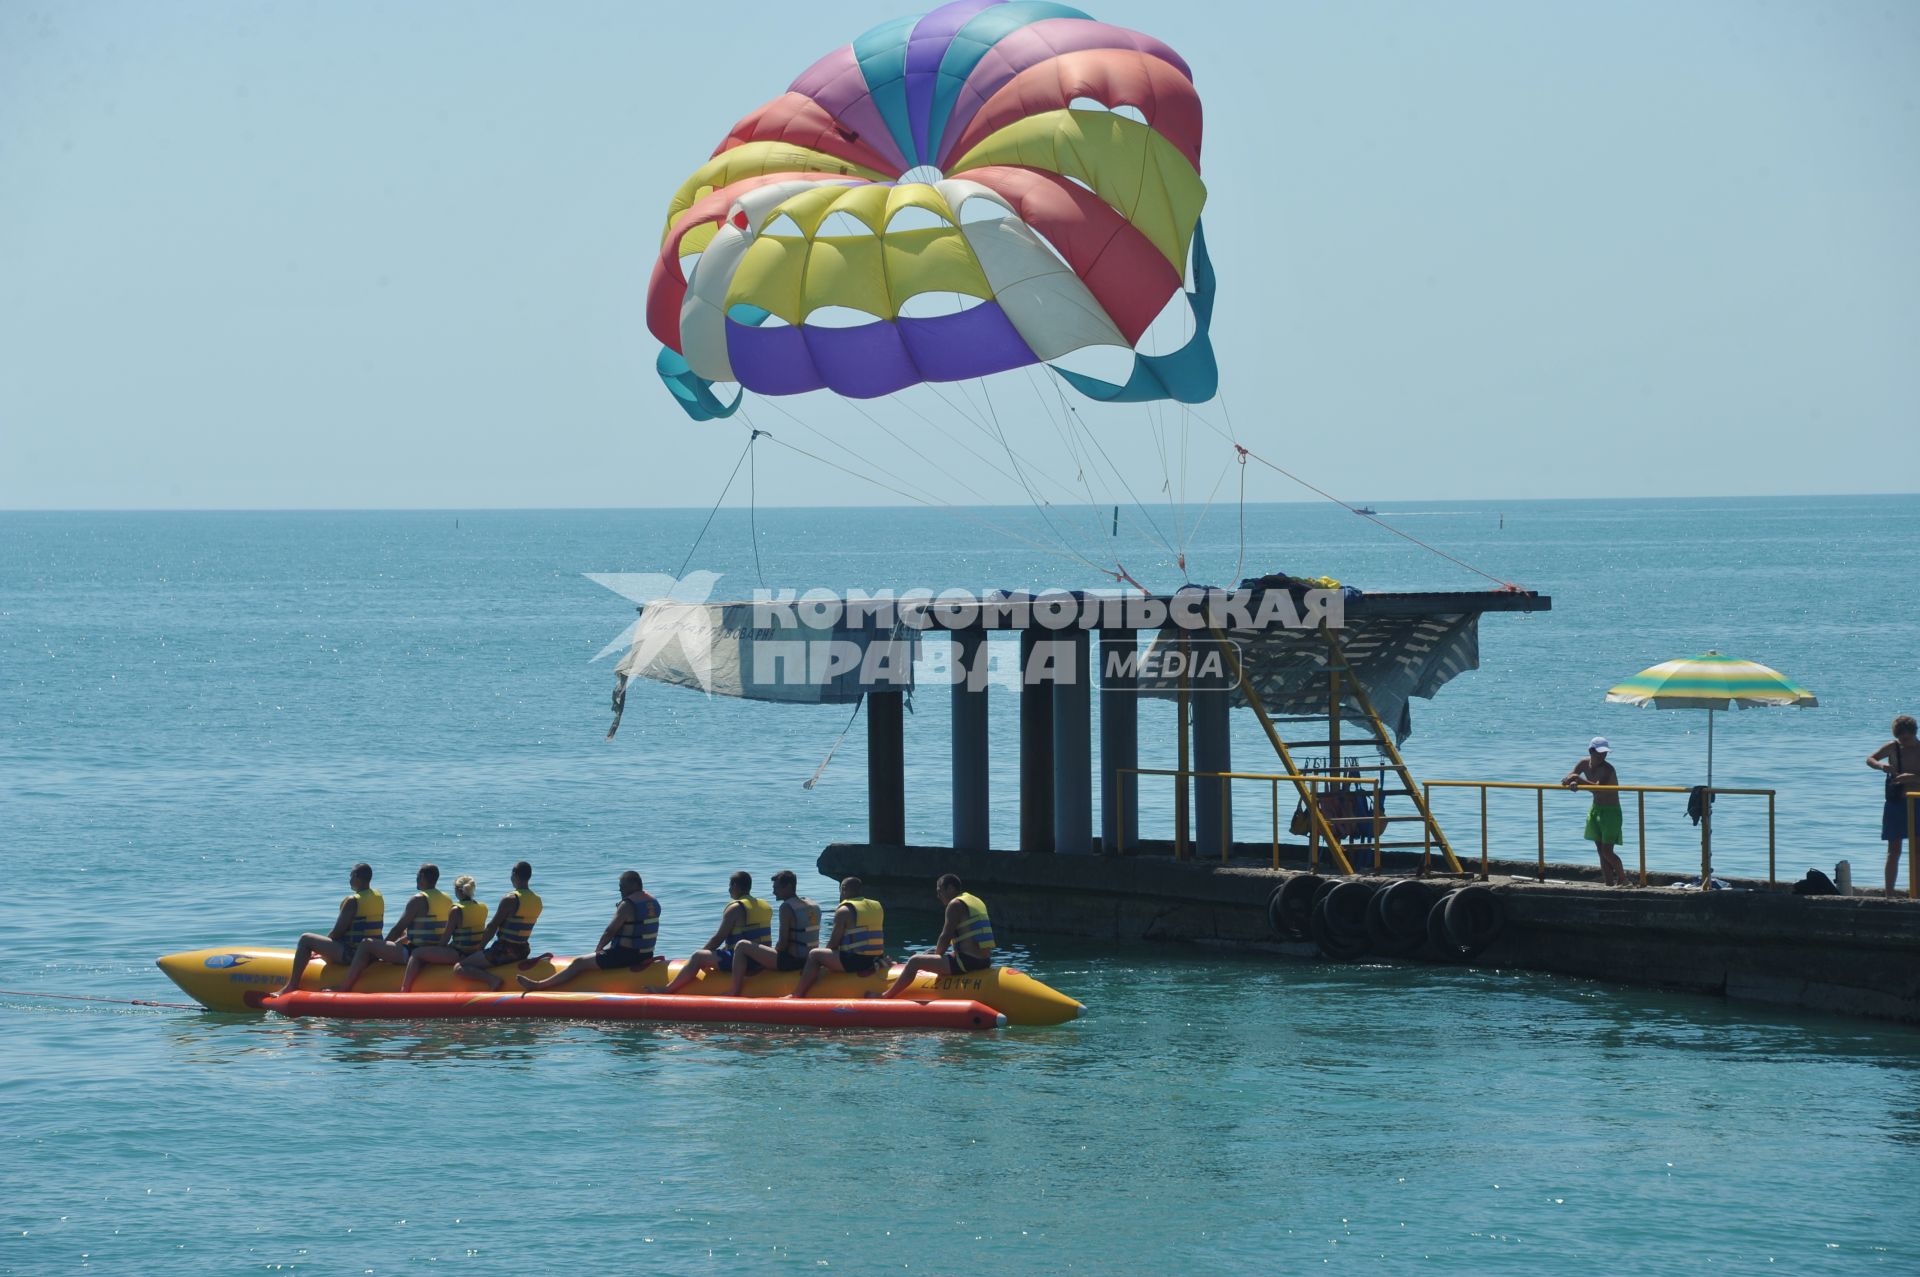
<point x="859" y="941"/>
<point x="626" y="944"/>
<point x="799" y="933"/>
<point x="747" y="920"/>
<point x="509" y="936"/>
<point x="466" y="929"/>
<point x="361" y="913"/>
<point x="423" y="923"/>
<point x="966" y="937"/>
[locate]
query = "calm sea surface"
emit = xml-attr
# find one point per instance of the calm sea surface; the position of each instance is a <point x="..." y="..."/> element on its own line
<point x="205" y="718"/>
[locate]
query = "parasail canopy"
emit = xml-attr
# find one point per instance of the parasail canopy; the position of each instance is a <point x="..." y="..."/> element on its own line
<point x="995" y="184"/>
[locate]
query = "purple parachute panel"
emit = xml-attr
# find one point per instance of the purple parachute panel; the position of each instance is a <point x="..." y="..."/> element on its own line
<point x="876" y="359"/>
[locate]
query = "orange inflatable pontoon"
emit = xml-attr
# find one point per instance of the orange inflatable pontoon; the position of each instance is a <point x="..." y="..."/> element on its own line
<point x="826" y="1013"/>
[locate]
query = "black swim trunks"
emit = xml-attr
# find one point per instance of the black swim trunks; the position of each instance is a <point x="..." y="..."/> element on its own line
<point x="501" y="952"/>
<point x="859" y="963"/>
<point x="621" y="959"/>
<point x="790" y="963"/>
<point x="962" y="964"/>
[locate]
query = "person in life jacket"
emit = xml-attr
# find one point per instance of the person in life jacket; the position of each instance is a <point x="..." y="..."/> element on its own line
<point x="858" y="944"/>
<point x="466" y="932"/>
<point x="966" y="938"/>
<point x="509" y="936"/>
<point x="362" y="911"/>
<point x="747" y="920"/>
<point x="799" y="933"/>
<point x="423" y="924"/>
<point x="626" y="944"/>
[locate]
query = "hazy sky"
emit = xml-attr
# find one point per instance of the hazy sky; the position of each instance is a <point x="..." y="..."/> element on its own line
<point x="359" y="254"/>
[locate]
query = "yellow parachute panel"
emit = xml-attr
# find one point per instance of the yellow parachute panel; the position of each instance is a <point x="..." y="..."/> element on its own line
<point x="1126" y="163"/>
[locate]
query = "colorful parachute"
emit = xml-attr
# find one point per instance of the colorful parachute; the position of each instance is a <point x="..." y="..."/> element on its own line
<point x="1088" y="219"/>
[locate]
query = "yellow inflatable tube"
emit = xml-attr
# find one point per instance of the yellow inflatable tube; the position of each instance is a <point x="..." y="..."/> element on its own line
<point x="236" y="979"/>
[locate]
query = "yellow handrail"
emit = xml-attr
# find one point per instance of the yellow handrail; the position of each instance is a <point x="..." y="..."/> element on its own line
<point x="1641" y="792"/>
<point x="1274" y="779"/>
<point x="1913" y="852"/>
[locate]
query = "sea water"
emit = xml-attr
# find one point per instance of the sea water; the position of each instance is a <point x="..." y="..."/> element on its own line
<point x="205" y="718"/>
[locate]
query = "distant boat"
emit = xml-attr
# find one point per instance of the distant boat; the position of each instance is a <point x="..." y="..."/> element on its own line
<point x="1365" y="509"/>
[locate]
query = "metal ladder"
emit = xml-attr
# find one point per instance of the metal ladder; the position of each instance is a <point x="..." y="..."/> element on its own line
<point x="1345" y="685"/>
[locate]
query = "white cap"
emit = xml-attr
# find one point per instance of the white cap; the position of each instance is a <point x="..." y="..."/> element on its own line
<point x="1598" y="745"/>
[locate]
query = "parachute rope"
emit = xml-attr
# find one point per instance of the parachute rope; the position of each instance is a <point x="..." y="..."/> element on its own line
<point x="1240" y="564"/>
<point x="724" y="489"/>
<point x="1118" y="474"/>
<point x="932" y="502"/>
<point x="753" y="496"/>
<point x="1242" y="449"/>
<point x="1031" y="495"/>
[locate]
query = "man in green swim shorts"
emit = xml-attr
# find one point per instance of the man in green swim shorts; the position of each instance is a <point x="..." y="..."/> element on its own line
<point x="1603" y="818"/>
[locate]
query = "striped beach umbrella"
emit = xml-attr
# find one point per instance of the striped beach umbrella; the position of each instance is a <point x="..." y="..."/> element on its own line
<point x="1711" y="682"/>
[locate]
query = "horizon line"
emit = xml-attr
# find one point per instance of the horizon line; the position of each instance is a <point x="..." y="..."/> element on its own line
<point x="897" y="505"/>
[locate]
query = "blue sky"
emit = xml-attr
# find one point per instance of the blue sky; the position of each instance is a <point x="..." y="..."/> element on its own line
<point x="356" y="254"/>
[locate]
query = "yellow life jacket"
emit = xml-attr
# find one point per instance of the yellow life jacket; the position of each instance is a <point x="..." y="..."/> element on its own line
<point x="519" y="928"/>
<point x="370" y="911"/>
<point x="803" y="925"/>
<point x="867" y="936"/>
<point x="430" y="926"/>
<point x="977" y="930"/>
<point x="469" y="920"/>
<point x="643" y="924"/>
<point x="757" y="927"/>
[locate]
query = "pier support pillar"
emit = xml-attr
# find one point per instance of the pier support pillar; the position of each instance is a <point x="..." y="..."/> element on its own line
<point x="1073" y="743"/>
<point x="886" y="769"/>
<point x="1036" y="748"/>
<point x="1119" y="741"/>
<point x="972" y="810"/>
<point x="1212" y="752"/>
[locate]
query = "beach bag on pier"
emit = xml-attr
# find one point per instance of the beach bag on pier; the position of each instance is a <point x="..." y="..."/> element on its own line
<point x="1815" y="884"/>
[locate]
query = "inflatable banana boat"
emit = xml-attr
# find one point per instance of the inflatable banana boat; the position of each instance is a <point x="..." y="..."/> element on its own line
<point x="825" y="1013"/>
<point x="241" y="979"/>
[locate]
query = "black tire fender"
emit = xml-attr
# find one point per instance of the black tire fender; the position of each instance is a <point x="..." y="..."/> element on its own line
<point x="1382" y="937"/>
<point x="1290" y="907"/>
<point x="1339" y="947"/>
<point x="1404" y="908"/>
<point x="1474" y="918"/>
<point x="1439" y="944"/>
<point x="1346" y="909"/>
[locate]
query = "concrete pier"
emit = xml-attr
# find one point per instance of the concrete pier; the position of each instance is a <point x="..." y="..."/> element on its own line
<point x="1119" y="740"/>
<point x="1212" y="752"/>
<point x="1850" y="955"/>
<point x="1036" y="748"/>
<point x="972" y="798"/>
<point x="886" y="768"/>
<point x="1073" y="745"/>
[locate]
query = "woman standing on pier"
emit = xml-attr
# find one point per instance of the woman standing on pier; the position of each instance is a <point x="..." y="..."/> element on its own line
<point x="1899" y="758"/>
